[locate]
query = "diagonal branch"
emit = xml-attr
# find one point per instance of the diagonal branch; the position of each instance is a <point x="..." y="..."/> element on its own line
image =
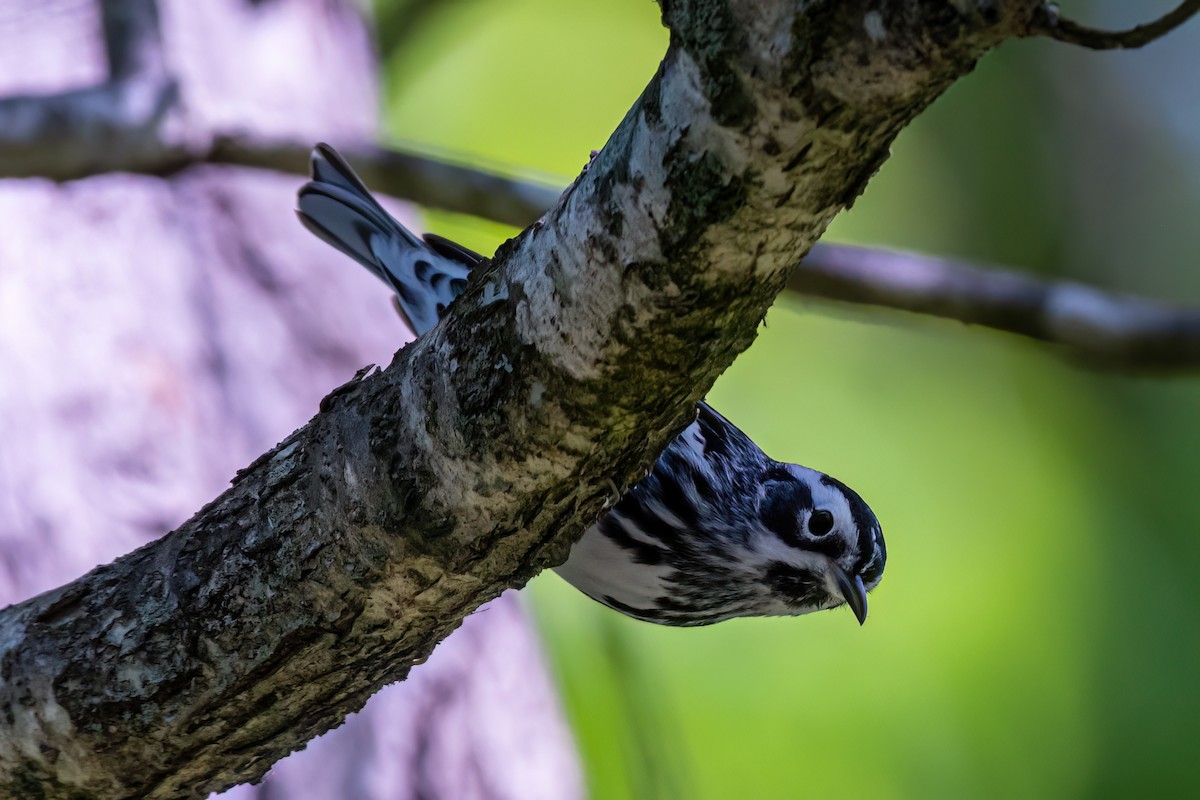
<point x="345" y="554"/>
<point x="1048" y="22"/>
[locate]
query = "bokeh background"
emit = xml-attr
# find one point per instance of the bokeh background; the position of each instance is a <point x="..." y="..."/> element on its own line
<point x="1036" y="634"/>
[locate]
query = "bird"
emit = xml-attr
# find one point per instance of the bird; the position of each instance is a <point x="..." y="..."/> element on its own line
<point x="716" y="530"/>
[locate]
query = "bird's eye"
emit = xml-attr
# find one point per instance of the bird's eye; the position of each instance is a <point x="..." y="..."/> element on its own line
<point x="820" y="523"/>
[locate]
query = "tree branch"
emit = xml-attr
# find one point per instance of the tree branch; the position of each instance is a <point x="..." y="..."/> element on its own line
<point x="344" y="555"/>
<point x="1048" y="22"/>
<point x="1090" y="326"/>
<point x="113" y="126"/>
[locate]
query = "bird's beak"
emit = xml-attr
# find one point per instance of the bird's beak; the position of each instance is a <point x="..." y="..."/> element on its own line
<point x="853" y="592"/>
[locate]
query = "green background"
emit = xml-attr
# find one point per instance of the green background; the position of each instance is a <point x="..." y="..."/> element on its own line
<point x="1036" y="633"/>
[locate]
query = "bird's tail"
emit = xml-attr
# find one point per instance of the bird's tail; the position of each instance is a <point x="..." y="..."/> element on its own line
<point x="425" y="273"/>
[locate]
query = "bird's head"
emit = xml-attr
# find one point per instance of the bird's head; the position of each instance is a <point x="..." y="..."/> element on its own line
<point x="820" y="545"/>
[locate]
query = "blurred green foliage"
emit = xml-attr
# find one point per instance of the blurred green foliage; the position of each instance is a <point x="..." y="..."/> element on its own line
<point x="1036" y="633"/>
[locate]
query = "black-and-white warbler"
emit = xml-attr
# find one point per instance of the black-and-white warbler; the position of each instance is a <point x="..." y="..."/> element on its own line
<point x="716" y="530"/>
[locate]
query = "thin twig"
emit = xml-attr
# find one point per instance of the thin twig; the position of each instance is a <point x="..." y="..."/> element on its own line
<point x="1047" y="22"/>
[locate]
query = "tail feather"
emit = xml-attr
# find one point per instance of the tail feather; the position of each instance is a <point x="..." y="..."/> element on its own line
<point x="328" y="166"/>
<point x="339" y="209"/>
<point x="345" y="222"/>
<point x="452" y="250"/>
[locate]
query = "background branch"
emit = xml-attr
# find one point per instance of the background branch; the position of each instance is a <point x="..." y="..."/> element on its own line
<point x="113" y="126"/>
<point x="1089" y="325"/>
<point x="1086" y="324"/>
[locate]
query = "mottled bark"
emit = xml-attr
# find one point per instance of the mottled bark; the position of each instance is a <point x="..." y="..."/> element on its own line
<point x="346" y="553"/>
